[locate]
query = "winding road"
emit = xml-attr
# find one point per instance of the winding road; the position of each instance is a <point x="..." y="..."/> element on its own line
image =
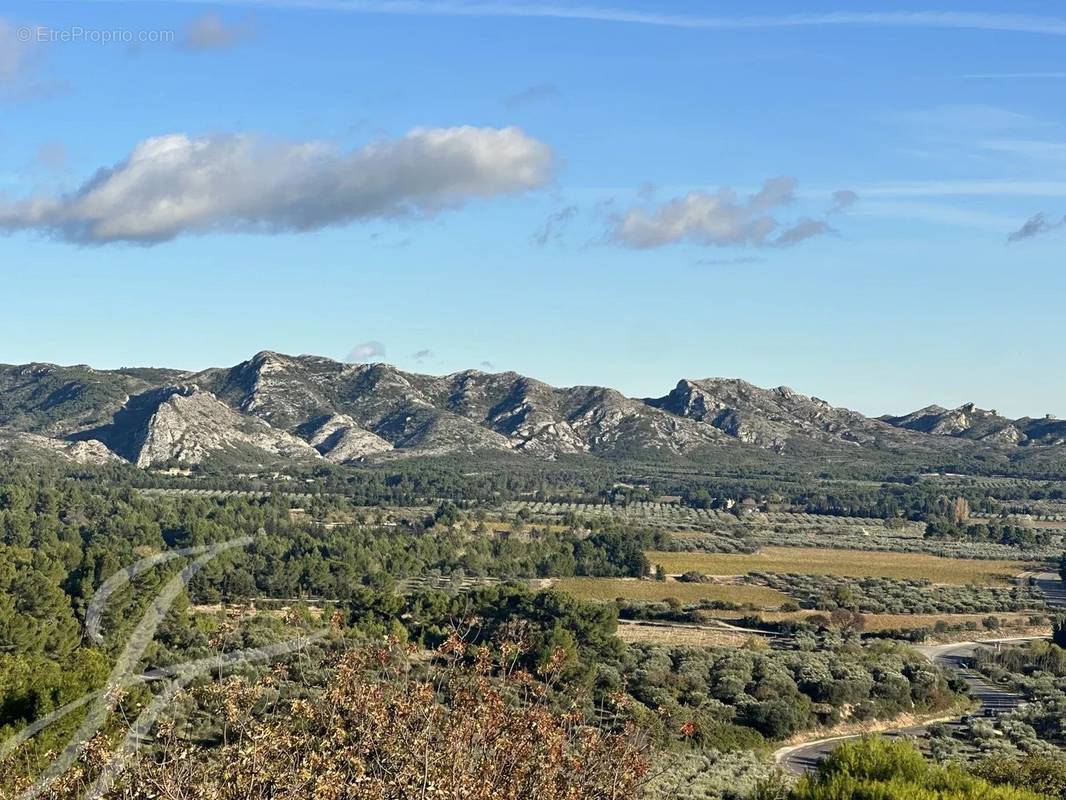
<point x="1053" y="588"/>
<point x="801" y="758"/>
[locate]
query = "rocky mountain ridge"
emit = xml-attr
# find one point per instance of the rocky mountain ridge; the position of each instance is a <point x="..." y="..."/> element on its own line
<point x="977" y="424"/>
<point x="281" y="408"/>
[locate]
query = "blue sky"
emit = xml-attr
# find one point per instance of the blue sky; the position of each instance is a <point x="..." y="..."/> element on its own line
<point x="821" y="196"/>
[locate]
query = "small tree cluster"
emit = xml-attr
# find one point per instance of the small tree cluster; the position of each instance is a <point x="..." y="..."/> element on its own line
<point x="875" y="768"/>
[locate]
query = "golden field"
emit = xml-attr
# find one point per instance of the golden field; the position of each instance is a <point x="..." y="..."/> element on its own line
<point x="853" y="563"/>
<point x="681" y="636"/>
<point x="633" y="589"/>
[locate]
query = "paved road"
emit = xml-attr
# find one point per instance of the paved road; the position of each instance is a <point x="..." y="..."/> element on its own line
<point x="1053" y="588"/>
<point x="803" y="758"/>
<point x="955" y="657"/>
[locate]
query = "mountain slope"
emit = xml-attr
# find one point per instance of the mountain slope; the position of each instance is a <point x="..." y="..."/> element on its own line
<point x="976" y="424"/>
<point x="467" y="411"/>
<point x="280" y="408"/>
<point x="782" y="419"/>
<point x="291" y="392"/>
<point x="342" y="440"/>
<point x="48" y="399"/>
<point x="186" y="425"/>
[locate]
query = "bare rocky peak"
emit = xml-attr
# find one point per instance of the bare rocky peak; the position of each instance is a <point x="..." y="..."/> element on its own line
<point x="190" y="425"/>
<point x="766" y="417"/>
<point x="543" y="420"/>
<point x="187" y="425"/>
<point x="282" y="390"/>
<point x="969" y="422"/>
<point x="309" y="407"/>
<point x="340" y="439"/>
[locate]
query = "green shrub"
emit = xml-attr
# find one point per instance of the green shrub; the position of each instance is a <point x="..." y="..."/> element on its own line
<point x="876" y="769"/>
<point x="1037" y="773"/>
<point x="726" y="737"/>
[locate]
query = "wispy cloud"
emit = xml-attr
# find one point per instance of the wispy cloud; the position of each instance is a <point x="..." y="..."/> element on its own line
<point x="174" y="185"/>
<point x="52" y="155"/>
<point x="422" y="356"/>
<point x="802" y="231"/>
<point x="984" y="134"/>
<point x="15" y="54"/>
<point x="958" y="20"/>
<point x="964" y="188"/>
<point x="21" y="59"/>
<point x="1013" y="76"/>
<point x="1027" y="148"/>
<point x="935" y="214"/>
<point x="210" y="32"/>
<point x="1036" y="225"/>
<point x="552" y="229"/>
<point x="965" y="120"/>
<point x="531" y="95"/>
<point x="728" y="262"/>
<point x="842" y="200"/>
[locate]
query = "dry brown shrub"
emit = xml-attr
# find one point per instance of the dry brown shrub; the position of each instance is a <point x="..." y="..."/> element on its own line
<point x="388" y="728"/>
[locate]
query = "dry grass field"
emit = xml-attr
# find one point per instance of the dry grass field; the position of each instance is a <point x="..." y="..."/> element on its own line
<point x="633" y="589"/>
<point x="680" y="636"/>
<point x="853" y="563"/>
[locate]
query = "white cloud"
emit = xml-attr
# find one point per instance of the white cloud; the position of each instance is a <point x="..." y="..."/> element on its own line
<point x="210" y="32"/>
<point x="775" y="192"/>
<point x="366" y="351"/>
<point x="719" y="219"/>
<point x="710" y="219"/>
<point x="176" y="184"/>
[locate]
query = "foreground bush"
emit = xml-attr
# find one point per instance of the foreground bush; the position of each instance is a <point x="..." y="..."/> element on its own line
<point x="876" y="769"/>
<point x="1038" y="773"/>
<point x="385" y="729"/>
